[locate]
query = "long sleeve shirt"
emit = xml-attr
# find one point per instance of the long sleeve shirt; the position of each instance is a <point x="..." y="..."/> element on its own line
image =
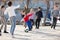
<point x="32" y="17"/>
<point x="26" y="17"/>
<point x="55" y="13"/>
<point x="1" y="13"/>
<point x="39" y="14"/>
<point x="11" y="10"/>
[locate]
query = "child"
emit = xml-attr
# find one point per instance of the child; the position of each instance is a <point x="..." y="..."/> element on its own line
<point x="23" y="14"/>
<point x="11" y="12"/>
<point x="32" y="17"/>
<point x="3" y="20"/>
<point x="27" y="21"/>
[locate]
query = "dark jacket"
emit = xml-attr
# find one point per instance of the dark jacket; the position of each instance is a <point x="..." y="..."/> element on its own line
<point x="39" y="14"/>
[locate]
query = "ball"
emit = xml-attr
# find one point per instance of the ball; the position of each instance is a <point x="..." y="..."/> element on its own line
<point x="26" y="30"/>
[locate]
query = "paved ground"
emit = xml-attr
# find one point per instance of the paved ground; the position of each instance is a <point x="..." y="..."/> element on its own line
<point x="44" y="33"/>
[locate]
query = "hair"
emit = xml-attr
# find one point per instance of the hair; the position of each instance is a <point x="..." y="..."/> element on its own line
<point x="23" y="11"/>
<point x="31" y="9"/>
<point x="2" y="6"/>
<point x="56" y="6"/>
<point x="39" y="7"/>
<point x="9" y="3"/>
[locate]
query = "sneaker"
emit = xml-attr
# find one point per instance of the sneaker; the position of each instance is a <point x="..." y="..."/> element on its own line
<point x="11" y="35"/>
<point x="5" y="32"/>
<point x="37" y="28"/>
<point x="0" y="34"/>
<point x="30" y="30"/>
<point x="51" y="27"/>
<point x="54" y="28"/>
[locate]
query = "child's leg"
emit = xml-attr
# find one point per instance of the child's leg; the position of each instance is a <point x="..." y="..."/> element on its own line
<point x="29" y="25"/>
<point x="1" y="26"/>
<point x="2" y="23"/>
<point x="13" y="24"/>
<point x="24" y="24"/>
<point x="5" y="28"/>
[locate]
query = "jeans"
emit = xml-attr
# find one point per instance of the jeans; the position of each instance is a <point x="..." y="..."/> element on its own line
<point x="29" y="24"/>
<point x="13" y="24"/>
<point x="32" y="22"/>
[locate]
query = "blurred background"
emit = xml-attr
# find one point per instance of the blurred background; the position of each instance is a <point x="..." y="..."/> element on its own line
<point x="46" y="5"/>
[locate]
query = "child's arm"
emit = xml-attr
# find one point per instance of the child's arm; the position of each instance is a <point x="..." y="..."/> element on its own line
<point x="16" y="7"/>
<point x="29" y="14"/>
<point x="5" y="12"/>
<point x="22" y="20"/>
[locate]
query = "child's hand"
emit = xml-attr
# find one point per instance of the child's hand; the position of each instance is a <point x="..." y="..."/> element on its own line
<point x="22" y="20"/>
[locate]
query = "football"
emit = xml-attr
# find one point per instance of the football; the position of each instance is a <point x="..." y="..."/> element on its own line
<point x="26" y="30"/>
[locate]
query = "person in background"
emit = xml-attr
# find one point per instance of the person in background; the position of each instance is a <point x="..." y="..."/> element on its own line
<point x="26" y="10"/>
<point x="3" y="20"/>
<point x="55" y="14"/>
<point x="32" y="17"/>
<point x="10" y="10"/>
<point x="23" y="14"/>
<point x="39" y="15"/>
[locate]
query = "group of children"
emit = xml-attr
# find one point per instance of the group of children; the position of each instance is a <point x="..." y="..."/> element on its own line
<point x="10" y="10"/>
<point x="3" y="19"/>
<point x="27" y="19"/>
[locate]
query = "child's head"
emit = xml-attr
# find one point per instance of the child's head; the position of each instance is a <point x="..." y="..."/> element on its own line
<point x="9" y="3"/>
<point x="3" y="7"/>
<point x="31" y="10"/>
<point x="25" y="6"/>
<point x="55" y="7"/>
<point x="39" y="8"/>
<point x="23" y="12"/>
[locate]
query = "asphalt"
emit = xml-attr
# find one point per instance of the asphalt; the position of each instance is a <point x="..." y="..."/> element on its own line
<point x="43" y="33"/>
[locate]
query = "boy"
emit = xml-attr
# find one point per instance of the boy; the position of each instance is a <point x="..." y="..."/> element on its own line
<point x="39" y="15"/>
<point x="55" y="14"/>
<point x="11" y="12"/>
<point x="3" y="20"/>
<point x="27" y="21"/>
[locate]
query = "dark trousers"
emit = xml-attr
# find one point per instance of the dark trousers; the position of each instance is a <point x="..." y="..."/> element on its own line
<point x="38" y="23"/>
<point x="32" y="21"/>
<point x="54" y="23"/>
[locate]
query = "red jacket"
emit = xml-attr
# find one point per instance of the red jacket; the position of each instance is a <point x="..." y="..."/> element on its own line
<point x="26" y="18"/>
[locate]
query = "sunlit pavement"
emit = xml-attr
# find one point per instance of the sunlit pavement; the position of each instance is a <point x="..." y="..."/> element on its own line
<point x="44" y="33"/>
